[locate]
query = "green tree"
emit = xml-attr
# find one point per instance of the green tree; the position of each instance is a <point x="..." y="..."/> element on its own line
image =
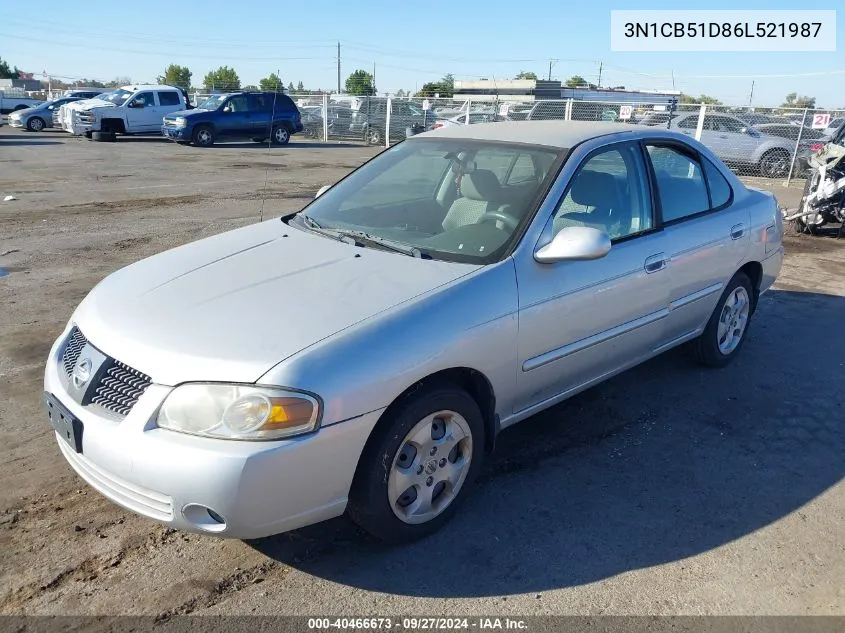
<point x="176" y="75"/>
<point x="360" y="83"/>
<point x="8" y="73"/>
<point x="576" y="81"/>
<point x="526" y="75"/>
<point x="400" y="94"/>
<point x="445" y="88"/>
<point x="272" y="82"/>
<point x="290" y="87"/>
<point x="90" y="83"/>
<point x="117" y="82"/>
<point x="224" y="78"/>
<point x="250" y="88"/>
<point x="300" y="87"/>
<point x="792" y="100"/>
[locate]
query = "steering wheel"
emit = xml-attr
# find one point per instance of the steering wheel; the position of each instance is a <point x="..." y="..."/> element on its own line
<point x="499" y="216"/>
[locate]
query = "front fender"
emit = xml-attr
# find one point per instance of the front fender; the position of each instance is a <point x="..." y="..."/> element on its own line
<point x="470" y="323"/>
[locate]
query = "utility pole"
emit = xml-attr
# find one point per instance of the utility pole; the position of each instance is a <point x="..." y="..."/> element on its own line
<point x="751" y="96"/>
<point x="374" y="78"/>
<point x="551" y="63"/>
<point x="601" y="65"/>
<point x="338" y="68"/>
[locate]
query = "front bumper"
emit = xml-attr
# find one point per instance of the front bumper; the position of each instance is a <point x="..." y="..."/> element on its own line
<point x="256" y="488"/>
<point x="176" y="133"/>
<point x="16" y="122"/>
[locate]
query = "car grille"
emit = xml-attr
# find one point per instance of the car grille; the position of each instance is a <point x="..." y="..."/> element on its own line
<point x="119" y="386"/>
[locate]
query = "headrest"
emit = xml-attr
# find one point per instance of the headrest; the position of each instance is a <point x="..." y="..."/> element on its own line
<point x="481" y="184"/>
<point x="595" y="189"/>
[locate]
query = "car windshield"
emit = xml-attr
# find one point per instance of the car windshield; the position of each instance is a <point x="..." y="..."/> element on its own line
<point x="212" y="103"/>
<point x="117" y="97"/>
<point x="457" y="200"/>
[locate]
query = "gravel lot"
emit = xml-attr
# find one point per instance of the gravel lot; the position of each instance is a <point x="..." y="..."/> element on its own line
<point x="668" y="490"/>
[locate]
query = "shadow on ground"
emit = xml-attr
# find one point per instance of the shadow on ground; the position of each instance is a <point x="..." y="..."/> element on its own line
<point x="8" y="140"/>
<point x="664" y="462"/>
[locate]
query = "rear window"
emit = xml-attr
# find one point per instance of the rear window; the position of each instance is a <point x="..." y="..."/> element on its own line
<point x="168" y="98"/>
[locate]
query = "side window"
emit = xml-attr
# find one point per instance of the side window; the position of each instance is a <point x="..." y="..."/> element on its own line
<point x="720" y="190"/>
<point x="237" y="104"/>
<point x="145" y="98"/>
<point x="680" y="183"/>
<point x="726" y="124"/>
<point x="260" y="103"/>
<point x="494" y="160"/>
<point x="608" y="193"/>
<point x="168" y="98"/>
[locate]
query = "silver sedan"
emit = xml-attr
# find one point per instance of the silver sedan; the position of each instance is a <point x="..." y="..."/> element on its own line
<point x="362" y="355"/>
<point x="40" y="117"/>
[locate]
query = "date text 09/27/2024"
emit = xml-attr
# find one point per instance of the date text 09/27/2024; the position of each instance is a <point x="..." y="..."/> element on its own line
<point x="417" y="624"/>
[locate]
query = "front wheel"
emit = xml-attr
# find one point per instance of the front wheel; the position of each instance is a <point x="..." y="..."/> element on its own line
<point x="203" y="136"/>
<point x="418" y="464"/>
<point x="35" y="124"/>
<point x="725" y="333"/>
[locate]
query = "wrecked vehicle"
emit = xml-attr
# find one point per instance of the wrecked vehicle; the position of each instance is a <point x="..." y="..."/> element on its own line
<point x="823" y="201"/>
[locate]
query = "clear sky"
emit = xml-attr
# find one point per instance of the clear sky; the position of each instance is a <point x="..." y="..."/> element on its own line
<point x="409" y="42"/>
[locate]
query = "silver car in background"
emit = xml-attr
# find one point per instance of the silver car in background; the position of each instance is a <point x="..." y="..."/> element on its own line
<point x="735" y="142"/>
<point x="362" y="355"/>
<point x="40" y="117"/>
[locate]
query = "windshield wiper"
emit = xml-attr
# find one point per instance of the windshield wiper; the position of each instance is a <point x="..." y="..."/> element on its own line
<point x="361" y="238"/>
<point x="392" y="245"/>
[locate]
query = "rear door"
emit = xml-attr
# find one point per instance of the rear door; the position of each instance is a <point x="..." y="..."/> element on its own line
<point x="730" y="142"/>
<point x="168" y="101"/>
<point x="261" y="110"/>
<point x="707" y="235"/>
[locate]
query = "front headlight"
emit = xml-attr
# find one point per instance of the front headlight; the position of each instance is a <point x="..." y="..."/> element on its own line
<point x="238" y="412"/>
<point x="180" y="121"/>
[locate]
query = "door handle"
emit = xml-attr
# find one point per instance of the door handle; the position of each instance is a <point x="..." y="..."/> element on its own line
<point x="737" y="231"/>
<point x="655" y="263"/>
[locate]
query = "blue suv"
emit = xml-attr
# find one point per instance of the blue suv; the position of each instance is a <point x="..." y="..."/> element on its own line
<point x="235" y="116"/>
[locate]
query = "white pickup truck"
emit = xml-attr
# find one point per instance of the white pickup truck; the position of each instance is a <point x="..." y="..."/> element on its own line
<point x="135" y="109"/>
<point x="12" y="102"/>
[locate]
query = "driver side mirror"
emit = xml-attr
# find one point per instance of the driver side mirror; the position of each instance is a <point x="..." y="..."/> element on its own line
<point x="227" y="108"/>
<point x="574" y="243"/>
<point x="321" y="191"/>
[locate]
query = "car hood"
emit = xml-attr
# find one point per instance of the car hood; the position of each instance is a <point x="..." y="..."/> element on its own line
<point x="24" y="112"/>
<point x="89" y="104"/>
<point x="193" y="112"/>
<point x="230" y="307"/>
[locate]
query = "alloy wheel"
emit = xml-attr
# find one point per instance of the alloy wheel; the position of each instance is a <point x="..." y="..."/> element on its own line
<point x="733" y="320"/>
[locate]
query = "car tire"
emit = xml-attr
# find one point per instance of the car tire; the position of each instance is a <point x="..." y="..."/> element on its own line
<point x="373" y="136"/>
<point x="727" y="328"/>
<point x="775" y="164"/>
<point x="103" y="137"/>
<point x="203" y="136"/>
<point x="35" y="124"/>
<point x="280" y="135"/>
<point x="438" y="432"/>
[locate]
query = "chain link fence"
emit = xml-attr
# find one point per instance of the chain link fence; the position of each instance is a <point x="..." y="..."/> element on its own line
<point x="756" y="142"/>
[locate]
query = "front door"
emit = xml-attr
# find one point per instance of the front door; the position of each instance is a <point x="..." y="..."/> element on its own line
<point x="580" y="321"/>
<point x="237" y="118"/>
<point x="142" y="113"/>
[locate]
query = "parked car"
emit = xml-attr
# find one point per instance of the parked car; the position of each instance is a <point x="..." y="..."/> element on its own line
<point x="369" y="121"/>
<point x="362" y="354"/>
<point x="754" y="119"/>
<point x="339" y="119"/>
<point x="11" y="102"/>
<point x="39" y="117"/>
<point x="738" y="144"/>
<point x="133" y="109"/>
<point x="235" y="116"/>
<point x="474" y="117"/>
<point x="834" y="126"/>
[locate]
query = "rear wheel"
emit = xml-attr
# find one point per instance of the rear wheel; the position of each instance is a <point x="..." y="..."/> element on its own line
<point x="417" y="465"/>
<point x="725" y="332"/>
<point x="775" y="163"/>
<point x="203" y="136"/>
<point x="281" y="135"/>
<point x="35" y="124"/>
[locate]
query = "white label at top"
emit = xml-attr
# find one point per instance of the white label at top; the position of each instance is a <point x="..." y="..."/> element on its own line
<point x="724" y="30"/>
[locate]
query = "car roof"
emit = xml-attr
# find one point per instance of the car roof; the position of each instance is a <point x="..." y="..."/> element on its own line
<point x="135" y="87"/>
<point x="562" y="134"/>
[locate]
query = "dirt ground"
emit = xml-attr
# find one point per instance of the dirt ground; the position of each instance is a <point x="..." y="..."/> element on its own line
<point x="668" y="490"/>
